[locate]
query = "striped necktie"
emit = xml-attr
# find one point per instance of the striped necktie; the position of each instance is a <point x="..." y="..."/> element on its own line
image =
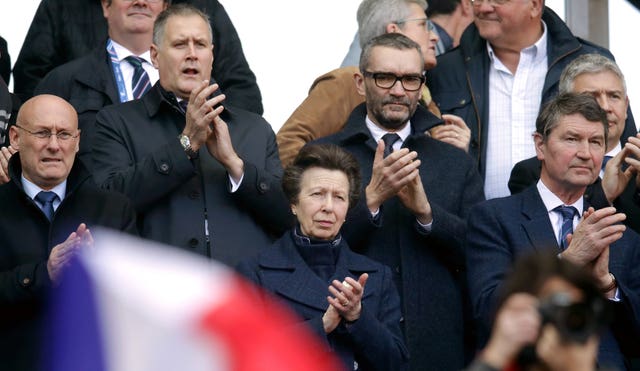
<point x="567" y="213"/>
<point x="140" y="83"/>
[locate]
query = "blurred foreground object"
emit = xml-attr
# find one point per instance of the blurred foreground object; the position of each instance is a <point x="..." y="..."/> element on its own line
<point x="133" y="305"/>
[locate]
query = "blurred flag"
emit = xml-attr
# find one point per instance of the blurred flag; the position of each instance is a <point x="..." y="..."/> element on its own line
<point x="134" y="305"/>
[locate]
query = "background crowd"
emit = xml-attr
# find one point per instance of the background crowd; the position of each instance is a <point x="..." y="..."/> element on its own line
<point x="388" y="211"/>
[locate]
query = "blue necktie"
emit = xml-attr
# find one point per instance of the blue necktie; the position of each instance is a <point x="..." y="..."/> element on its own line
<point x="46" y="198"/>
<point x="389" y="139"/>
<point x="140" y="83"/>
<point x="567" y="212"/>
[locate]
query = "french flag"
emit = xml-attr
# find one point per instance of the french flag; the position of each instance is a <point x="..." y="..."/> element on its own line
<point x="133" y="305"/>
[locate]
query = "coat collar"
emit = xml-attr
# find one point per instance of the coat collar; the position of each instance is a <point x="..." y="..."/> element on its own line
<point x="77" y="176"/>
<point x="157" y="99"/>
<point x="299" y="283"/>
<point x="356" y="130"/>
<point x="97" y="74"/>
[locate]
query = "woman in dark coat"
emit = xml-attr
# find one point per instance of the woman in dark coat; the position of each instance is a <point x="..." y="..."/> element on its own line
<point x="347" y="299"/>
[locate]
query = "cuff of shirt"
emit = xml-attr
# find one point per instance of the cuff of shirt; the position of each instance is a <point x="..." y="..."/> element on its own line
<point x="234" y="185"/>
<point x="426" y="228"/>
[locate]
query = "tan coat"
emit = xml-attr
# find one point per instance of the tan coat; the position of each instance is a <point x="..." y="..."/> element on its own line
<point x="325" y="111"/>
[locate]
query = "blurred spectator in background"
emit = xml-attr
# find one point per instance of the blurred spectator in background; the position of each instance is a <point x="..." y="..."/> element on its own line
<point x="64" y="30"/>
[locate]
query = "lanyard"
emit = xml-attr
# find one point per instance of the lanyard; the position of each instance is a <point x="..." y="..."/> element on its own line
<point x="115" y="66"/>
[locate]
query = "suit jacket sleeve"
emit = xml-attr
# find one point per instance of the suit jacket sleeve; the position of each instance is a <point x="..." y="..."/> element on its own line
<point x="230" y="67"/>
<point x="146" y="181"/>
<point x="261" y="192"/>
<point x="488" y="260"/>
<point x="14" y="288"/>
<point x="325" y="111"/>
<point x="449" y="229"/>
<point x="626" y="313"/>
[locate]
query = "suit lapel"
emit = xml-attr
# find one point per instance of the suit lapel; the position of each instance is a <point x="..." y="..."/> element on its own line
<point x="537" y="225"/>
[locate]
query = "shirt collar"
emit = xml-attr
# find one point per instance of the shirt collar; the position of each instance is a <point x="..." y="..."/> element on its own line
<point x="615" y="150"/>
<point x="551" y="201"/>
<point x="377" y="132"/>
<point x="123" y="52"/>
<point x="32" y="190"/>
<point x="538" y="49"/>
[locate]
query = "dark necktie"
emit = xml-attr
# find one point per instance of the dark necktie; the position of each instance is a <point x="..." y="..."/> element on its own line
<point x="183" y="104"/>
<point x="140" y="82"/>
<point x="567" y="213"/>
<point x="46" y="198"/>
<point x="389" y="139"/>
<point x="605" y="159"/>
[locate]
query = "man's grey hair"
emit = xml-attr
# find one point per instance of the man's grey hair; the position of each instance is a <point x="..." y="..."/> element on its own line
<point x="375" y="15"/>
<point x="588" y="63"/>
<point x="182" y="10"/>
<point x="392" y="40"/>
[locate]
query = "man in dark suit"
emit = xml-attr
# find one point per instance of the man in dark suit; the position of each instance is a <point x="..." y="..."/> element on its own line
<point x="208" y="179"/>
<point x="417" y="197"/>
<point x="107" y="75"/>
<point x="507" y="65"/>
<point x="601" y="77"/>
<point x="64" y="30"/>
<point x="570" y="140"/>
<point x="47" y="209"/>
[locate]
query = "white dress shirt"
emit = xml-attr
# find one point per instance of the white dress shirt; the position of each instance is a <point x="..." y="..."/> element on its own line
<point x="127" y="69"/>
<point x="32" y="191"/>
<point x="514" y="102"/>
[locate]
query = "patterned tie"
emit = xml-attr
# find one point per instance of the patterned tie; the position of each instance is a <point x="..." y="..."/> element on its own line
<point x="389" y="139"/>
<point x="46" y="198"/>
<point x="183" y="104"/>
<point x="140" y="83"/>
<point x="605" y="160"/>
<point x="567" y="212"/>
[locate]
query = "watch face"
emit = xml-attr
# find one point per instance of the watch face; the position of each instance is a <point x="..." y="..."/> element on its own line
<point x="184" y="140"/>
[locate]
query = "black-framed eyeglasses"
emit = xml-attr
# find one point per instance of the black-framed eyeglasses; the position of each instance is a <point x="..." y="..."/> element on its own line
<point x="387" y="80"/>
<point x="46" y="134"/>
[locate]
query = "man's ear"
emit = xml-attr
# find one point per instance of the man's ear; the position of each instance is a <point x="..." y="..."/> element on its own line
<point x="153" y="52"/>
<point x="392" y="27"/>
<point x="358" y="79"/>
<point x="14" y="137"/>
<point x="540" y="145"/>
<point x="105" y="7"/>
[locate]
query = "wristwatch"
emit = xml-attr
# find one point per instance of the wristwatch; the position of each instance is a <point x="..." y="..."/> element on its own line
<point x="186" y="145"/>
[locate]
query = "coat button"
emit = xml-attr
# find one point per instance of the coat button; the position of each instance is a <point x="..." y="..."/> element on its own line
<point x="164" y="168"/>
<point x="193" y="242"/>
<point x="194" y="195"/>
<point x="397" y="269"/>
<point x="26" y="281"/>
<point x="463" y="101"/>
<point x="263" y="187"/>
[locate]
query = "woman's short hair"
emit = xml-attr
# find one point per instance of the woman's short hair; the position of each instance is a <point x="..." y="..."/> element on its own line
<point x="323" y="156"/>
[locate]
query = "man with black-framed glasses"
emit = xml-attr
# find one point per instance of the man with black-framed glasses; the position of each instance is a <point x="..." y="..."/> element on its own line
<point x="418" y="192"/>
<point x="48" y="207"/>
<point x="333" y="95"/>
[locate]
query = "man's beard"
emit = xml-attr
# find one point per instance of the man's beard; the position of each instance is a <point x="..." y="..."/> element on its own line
<point x="393" y="123"/>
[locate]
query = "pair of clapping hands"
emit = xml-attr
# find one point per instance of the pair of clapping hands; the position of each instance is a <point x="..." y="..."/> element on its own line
<point x="345" y="302"/>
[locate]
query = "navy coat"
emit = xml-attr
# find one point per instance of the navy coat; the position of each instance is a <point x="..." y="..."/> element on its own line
<point x="26" y="240"/>
<point x="503" y="229"/>
<point x="187" y="203"/>
<point x="428" y="268"/>
<point x="459" y="84"/>
<point x="374" y="341"/>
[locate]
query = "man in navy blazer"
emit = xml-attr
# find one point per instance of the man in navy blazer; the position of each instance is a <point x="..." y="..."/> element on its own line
<point x="418" y="193"/>
<point x="570" y="141"/>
